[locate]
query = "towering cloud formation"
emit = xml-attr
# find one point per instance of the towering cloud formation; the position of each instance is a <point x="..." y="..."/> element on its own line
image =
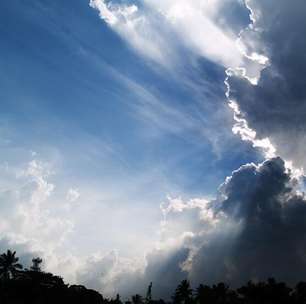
<point x="266" y="236"/>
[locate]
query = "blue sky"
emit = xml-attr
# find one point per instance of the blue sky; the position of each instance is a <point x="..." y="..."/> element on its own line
<point x="69" y="82"/>
<point x="114" y="120"/>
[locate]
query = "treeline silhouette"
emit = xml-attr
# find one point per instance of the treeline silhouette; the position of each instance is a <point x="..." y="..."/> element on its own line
<point x="34" y="286"/>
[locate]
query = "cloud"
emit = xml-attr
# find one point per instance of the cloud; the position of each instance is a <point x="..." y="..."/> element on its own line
<point x="162" y="30"/>
<point x="27" y="223"/>
<point x="254" y="229"/>
<point x="72" y="195"/>
<point x="111" y="274"/>
<point x="141" y="31"/>
<point x="257" y="229"/>
<point x="267" y="214"/>
<point x="275" y="108"/>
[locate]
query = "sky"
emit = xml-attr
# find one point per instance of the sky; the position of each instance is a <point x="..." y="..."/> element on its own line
<point x="154" y="140"/>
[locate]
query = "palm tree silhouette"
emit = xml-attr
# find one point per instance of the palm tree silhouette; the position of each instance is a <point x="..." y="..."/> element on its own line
<point x="204" y="294"/>
<point x="183" y="293"/>
<point x="9" y="265"/>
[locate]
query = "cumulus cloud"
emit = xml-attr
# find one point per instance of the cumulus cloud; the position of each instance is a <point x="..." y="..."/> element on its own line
<point x="257" y="230"/>
<point x="268" y="216"/>
<point x="27" y="224"/>
<point x="275" y="107"/>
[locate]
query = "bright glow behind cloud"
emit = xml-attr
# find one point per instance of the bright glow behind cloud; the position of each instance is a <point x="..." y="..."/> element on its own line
<point x="139" y="30"/>
<point x="156" y="28"/>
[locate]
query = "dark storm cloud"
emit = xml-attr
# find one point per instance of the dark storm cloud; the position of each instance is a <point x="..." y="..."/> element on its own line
<point x="267" y="212"/>
<point x="276" y="107"/>
<point x="269" y="217"/>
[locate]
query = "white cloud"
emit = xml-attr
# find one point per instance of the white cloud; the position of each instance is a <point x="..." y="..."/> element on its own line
<point x="242" y="128"/>
<point x="159" y="29"/>
<point x="105" y="10"/>
<point x="140" y="31"/>
<point x="26" y="216"/>
<point x="195" y="24"/>
<point x="72" y="195"/>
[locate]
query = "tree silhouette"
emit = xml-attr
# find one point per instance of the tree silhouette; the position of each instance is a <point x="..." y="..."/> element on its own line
<point x="204" y="294"/>
<point x="117" y="299"/>
<point x="270" y="292"/>
<point x="183" y="293"/>
<point x="149" y="294"/>
<point x="36" y="286"/>
<point x="299" y="294"/>
<point x="219" y="293"/>
<point x="36" y="264"/>
<point x="9" y="265"/>
<point x="137" y="299"/>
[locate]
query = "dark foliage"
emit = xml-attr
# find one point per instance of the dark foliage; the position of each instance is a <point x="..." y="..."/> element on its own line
<point x="9" y="265"/>
<point x="35" y="286"/>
